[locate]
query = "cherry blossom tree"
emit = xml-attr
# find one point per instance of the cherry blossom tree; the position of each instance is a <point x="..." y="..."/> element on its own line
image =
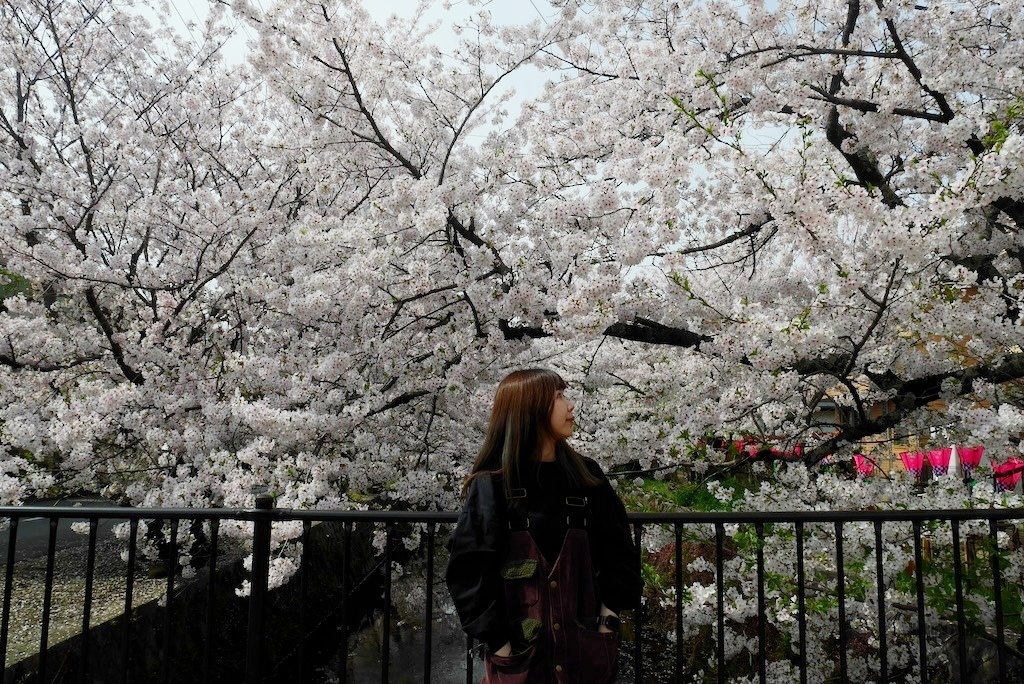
<point x="307" y="272"/>
<point x="874" y="248"/>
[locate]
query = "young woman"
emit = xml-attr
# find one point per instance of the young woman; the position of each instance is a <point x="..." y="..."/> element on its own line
<point x="541" y="559"/>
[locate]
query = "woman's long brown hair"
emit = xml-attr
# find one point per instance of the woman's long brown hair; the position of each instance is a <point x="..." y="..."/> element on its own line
<point x="520" y="417"/>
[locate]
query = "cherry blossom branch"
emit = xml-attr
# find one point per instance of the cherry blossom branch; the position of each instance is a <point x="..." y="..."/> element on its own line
<point x="469" y="233"/>
<point x="867" y="172"/>
<point x="11" y="361"/>
<point x="116" y="350"/>
<point x="915" y="72"/>
<point x="752" y="229"/>
<point x="881" y="308"/>
<point x="19" y="140"/>
<point x="802" y="50"/>
<point x="471" y="109"/>
<point x="400" y="302"/>
<point x="400" y="400"/>
<point x="867" y="106"/>
<point x="378" y="138"/>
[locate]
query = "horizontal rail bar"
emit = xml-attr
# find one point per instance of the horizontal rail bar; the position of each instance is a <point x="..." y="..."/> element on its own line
<point x="131" y="513"/>
<point x="683" y="517"/>
<point x="827" y="516"/>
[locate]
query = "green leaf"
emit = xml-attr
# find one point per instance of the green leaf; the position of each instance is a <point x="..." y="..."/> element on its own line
<point x="12" y="284"/>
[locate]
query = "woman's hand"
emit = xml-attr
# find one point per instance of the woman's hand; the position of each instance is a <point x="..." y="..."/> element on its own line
<point x="605" y="610"/>
<point x="505" y="650"/>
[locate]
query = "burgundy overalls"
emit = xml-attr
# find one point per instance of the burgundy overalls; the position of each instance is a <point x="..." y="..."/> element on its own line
<point x="549" y="608"/>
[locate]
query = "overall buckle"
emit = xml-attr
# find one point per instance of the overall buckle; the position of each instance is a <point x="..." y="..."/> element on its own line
<point x="515" y="494"/>
<point x="579" y="502"/>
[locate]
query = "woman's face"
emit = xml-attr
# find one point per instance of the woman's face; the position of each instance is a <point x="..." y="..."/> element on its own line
<point x="562" y="418"/>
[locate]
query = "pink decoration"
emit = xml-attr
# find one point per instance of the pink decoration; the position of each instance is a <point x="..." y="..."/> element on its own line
<point x="913" y="461"/>
<point x="865" y="466"/>
<point x="1008" y="474"/>
<point x="970" y="457"/>
<point x="939" y="458"/>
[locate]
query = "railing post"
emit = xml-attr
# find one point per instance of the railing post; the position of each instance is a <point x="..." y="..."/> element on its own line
<point x="129" y="588"/>
<point x="258" y="588"/>
<point x="922" y="629"/>
<point x="679" y="601"/>
<point x="801" y="601"/>
<point x="638" y="614"/>
<point x="346" y="583"/>
<point x="428" y="617"/>
<point x="997" y="599"/>
<point x="5" y="612"/>
<point x="720" y="595"/>
<point x="762" y="648"/>
<point x="211" y="600"/>
<point x="385" y="655"/>
<point x="883" y="646"/>
<point x="961" y="627"/>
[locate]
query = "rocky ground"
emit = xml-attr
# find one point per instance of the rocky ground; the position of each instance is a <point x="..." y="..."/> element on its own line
<point x="68" y="596"/>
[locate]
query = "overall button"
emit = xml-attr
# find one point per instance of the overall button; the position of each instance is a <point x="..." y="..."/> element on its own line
<point x="554" y="584"/>
<point x="558" y="668"/>
<point x="556" y="626"/>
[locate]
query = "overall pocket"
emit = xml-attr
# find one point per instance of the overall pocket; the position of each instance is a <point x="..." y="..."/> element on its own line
<point x="600" y="655"/>
<point x="520" y="582"/>
<point x="512" y="669"/>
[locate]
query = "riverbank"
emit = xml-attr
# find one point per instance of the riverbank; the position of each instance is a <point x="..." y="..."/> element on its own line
<point x="68" y="594"/>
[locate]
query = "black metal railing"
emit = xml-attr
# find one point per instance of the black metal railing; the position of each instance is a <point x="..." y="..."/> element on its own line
<point x="711" y="527"/>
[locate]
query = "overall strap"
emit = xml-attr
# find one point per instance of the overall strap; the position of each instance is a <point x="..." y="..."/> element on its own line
<point x="518" y="515"/>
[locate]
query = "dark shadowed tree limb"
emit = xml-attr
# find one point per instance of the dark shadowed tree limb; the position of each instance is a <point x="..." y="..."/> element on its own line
<point x="652" y="332"/>
<point x="400" y="400"/>
<point x="43" y="367"/>
<point x="860" y="160"/>
<point x="135" y="377"/>
<point x="518" y="332"/>
<point x="1012" y="208"/>
<point x="752" y="229"/>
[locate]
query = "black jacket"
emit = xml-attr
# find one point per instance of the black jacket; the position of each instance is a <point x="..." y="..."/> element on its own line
<point x="476" y="544"/>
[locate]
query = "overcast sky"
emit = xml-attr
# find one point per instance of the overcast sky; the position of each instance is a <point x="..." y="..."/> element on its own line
<point x="502" y="12"/>
<point x="527" y="82"/>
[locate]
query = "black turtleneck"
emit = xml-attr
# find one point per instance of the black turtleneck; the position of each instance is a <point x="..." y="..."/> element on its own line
<point x="547" y="484"/>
